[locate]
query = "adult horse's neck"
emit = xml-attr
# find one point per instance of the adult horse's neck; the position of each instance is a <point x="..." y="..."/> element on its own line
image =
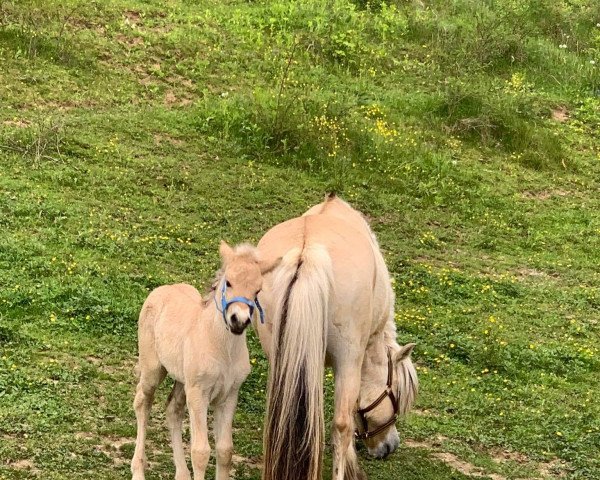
<point x="375" y="362"/>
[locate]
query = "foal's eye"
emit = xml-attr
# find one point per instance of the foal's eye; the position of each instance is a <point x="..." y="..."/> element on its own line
<point x="228" y="284"/>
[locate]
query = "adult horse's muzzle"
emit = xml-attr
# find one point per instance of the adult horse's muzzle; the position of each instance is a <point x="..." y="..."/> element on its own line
<point x="387" y="446"/>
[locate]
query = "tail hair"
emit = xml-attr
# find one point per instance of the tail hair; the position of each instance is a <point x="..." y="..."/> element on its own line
<point x="294" y="431"/>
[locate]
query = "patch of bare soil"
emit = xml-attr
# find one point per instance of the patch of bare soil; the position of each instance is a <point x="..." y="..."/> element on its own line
<point x="93" y="359"/>
<point x="463" y="467"/>
<point x="531" y="272"/>
<point x="129" y="42"/>
<point x="132" y="17"/>
<point x="25" y="465"/>
<point x="503" y="456"/>
<point x="423" y="413"/>
<point x="254" y="462"/>
<point x="553" y="469"/>
<point x="544" y="194"/>
<point x="159" y="138"/>
<point x="109" y="446"/>
<point x="172" y="100"/>
<point x="560" y="115"/>
<point x="17" y="123"/>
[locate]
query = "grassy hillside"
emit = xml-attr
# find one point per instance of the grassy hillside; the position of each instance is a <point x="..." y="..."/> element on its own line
<point x="134" y="135"/>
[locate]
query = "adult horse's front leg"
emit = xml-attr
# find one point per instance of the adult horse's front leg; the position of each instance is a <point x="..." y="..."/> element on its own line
<point x="223" y="438"/>
<point x="197" y="402"/>
<point x="347" y="389"/>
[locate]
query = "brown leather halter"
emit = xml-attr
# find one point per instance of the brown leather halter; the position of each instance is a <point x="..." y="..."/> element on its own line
<point x="387" y="393"/>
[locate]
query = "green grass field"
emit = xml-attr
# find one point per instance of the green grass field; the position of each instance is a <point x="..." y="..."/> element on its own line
<point x="134" y="135"/>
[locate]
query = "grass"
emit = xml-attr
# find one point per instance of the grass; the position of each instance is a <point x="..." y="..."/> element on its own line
<point x="134" y="136"/>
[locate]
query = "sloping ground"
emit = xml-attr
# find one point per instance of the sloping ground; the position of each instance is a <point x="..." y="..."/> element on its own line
<point x="133" y="137"/>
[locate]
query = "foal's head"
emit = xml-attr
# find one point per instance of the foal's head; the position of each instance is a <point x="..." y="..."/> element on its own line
<point x="387" y="390"/>
<point x="236" y="293"/>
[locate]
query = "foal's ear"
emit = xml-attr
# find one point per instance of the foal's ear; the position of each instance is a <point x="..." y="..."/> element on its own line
<point x="267" y="266"/>
<point x="226" y="251"/>
<point x="404" y="352"/>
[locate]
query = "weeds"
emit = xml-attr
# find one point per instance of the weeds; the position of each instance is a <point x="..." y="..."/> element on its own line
<point x="37" y="141"/>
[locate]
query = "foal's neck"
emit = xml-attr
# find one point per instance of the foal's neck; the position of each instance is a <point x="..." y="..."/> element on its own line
<point x="212" y="319"/>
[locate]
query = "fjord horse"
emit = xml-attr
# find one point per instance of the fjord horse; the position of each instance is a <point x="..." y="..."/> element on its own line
<point x="202" y="345"/>
<point x="330" y="302"/>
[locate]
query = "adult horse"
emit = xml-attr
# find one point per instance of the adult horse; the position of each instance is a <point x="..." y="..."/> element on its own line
<point x="330" y="302"/>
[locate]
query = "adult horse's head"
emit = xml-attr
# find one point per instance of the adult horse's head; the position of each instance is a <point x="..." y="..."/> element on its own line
<point x="237" y="291"/>
<point x="388" y="389"/>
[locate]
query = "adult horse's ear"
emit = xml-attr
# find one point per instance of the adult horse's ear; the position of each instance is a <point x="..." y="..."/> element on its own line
<point x="404" y="352"/>
<point x="267" y="266"/>
<point x="226" y="251"/>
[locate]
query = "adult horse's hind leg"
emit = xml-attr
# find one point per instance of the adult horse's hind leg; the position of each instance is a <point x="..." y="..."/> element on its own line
<point x="175" y="413"/>
<point x="223" y="439"/>
<point x="144" y="395"/>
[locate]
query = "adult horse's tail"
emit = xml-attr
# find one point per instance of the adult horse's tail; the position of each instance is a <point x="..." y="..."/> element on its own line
<point x="294" y="430"/>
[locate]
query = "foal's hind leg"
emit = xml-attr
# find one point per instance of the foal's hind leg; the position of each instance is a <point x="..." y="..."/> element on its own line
<point x="149" y="380"/>
<point x="175" y="412"/>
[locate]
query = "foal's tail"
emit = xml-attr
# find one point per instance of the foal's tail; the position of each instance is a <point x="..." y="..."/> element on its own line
<point x="294" y="431"/>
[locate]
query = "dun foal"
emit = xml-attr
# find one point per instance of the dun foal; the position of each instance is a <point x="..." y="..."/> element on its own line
<point x="202" y="346"/>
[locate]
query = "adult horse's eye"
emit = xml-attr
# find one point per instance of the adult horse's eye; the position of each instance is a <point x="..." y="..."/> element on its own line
<point x="228" y="284"/>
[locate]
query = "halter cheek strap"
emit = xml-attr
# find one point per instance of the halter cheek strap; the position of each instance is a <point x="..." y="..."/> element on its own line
<point x="387" y="393"/>
<point x="226" y="303"/>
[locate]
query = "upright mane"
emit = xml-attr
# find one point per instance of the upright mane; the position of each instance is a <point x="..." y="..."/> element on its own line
<point x="244" y="250"/>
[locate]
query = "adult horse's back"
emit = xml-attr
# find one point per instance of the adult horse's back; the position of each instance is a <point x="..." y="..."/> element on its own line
<point x="329" y="301"/>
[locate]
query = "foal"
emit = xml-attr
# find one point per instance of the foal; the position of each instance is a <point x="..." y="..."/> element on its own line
<point x="201" y="345"/>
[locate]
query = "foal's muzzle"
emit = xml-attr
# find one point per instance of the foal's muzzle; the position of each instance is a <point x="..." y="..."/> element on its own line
<point x="237" y="324"/>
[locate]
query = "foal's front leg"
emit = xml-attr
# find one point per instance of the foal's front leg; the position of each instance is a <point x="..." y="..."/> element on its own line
<point x="222" y="427"/>
<point x="197" y="402"/>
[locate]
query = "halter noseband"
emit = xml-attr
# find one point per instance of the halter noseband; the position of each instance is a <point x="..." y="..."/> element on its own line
<point x="387" y="393"/>
<point x="226" y="303"/>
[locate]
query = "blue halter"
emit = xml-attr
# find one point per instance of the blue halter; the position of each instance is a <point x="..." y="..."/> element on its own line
<point x="226" y="303"/>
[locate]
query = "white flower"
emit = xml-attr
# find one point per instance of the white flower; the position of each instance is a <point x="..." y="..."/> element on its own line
<point x="562" y="45"/>
<point x="592" y="62"/>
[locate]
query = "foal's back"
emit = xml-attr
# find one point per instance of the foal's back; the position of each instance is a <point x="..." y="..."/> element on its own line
<point x="164" y="326"/>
